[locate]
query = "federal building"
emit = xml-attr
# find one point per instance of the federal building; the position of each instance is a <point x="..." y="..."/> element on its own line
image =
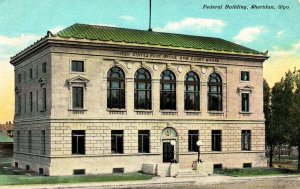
<point x="95" y="99"/>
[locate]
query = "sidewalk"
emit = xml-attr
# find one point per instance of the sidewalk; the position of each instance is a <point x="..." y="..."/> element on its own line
<point x="155" y="182"/>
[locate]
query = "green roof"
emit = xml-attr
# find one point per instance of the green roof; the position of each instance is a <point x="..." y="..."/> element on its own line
<point x="152" y="38"/>
<point x="5" y="138"/>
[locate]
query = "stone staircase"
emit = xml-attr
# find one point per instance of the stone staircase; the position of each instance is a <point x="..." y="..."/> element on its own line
<point x="184" y="173"/>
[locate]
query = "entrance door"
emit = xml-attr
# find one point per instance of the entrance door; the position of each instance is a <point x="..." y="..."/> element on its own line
<point x="168" y="152"/>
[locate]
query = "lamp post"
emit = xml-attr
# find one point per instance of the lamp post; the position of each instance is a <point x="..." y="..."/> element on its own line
<point x="173" y="142"/>
<point x="199" y="144"/>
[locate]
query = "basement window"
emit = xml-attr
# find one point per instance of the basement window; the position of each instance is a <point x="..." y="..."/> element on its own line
<point x="79" y="172"/>
<point x="247" y="165"/>
<point x="218" y="166"/>
<point x="118" y="170"/>
<point x="41" y="171"/>
<point x="27" y="167"/>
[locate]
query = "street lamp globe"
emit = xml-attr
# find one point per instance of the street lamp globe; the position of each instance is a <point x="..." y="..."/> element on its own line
<point x="199" y="143"/>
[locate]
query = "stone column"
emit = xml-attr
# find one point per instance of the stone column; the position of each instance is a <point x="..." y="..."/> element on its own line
<point x="129" y="97"/>
<point x="156" y="97"/>
<point x="180" y="98"/>
<point x="203" y="99"/>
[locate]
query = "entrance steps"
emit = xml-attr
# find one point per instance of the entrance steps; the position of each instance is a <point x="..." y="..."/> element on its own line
<point x="185" y="173"/>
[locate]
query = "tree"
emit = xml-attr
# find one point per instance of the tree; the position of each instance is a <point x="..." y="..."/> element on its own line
<point x="281" y="112"/>
<point x="273" y="129"/>
<point x="270" y="138"/>
<point x="294" y="129"/>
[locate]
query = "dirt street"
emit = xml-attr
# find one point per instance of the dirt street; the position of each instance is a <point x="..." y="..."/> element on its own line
<point x="278" y="183"/>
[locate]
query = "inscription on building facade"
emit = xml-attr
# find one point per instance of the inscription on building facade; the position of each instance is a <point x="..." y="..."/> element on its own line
<point x="165" y="56"/>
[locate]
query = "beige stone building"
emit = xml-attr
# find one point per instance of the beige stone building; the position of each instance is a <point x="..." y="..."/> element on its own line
<point x="94" y="99"/>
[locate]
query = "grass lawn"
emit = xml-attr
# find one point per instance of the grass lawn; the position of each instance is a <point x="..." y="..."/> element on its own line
<point x="254" y="172"/>
<point x="9" y="176"/>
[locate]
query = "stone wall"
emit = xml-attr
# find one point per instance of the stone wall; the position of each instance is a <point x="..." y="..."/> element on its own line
<point x="98" y="62"/>
<point x="98" y="157"/>
<point x="59" y="119"/>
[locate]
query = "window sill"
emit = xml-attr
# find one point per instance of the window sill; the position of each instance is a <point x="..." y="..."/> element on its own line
<point x="168" y="111"/>
<point x="215" y="151"/>
<point x="189" y="153"/>
<point x="77" y="109"/>
<point x="142" y="110"/>
<point x="116" y="110"/>
<point x="215" y="112"/>
<point x="192" y="152"/>
<point x="74" y="72"/>
<point x="245" y="112"/>
<point x="192" y="111"/>
<point x="43" y="110"/>
<point x="78" y="154"/>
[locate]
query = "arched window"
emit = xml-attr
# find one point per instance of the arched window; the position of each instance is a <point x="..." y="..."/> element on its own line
<point x="214" y="92"/>
<point x="167" y="90"/>
<point x="142" y="89"/>
<point x="191" y="92"/>
<point x="115" y="88"/>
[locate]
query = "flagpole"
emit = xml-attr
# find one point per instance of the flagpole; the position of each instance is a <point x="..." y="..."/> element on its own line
<point x="150" y="16"/>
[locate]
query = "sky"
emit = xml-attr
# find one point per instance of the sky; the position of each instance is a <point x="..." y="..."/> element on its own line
<point x="274" y="30"/>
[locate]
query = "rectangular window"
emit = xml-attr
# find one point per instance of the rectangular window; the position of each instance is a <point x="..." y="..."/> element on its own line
<point x="18" y="141"/>
<point x="24" y="76"/>
<point x="78" y="142"/>
<point x="246" y="137"/>
<point x="44" y="67"/>
<point x="31" y="102"/>
<point x="41" y="171"/>
<point x="245" y="76"/>
<point x="19" y="104"/>
<point x="79" y="172"/>
<point x="216" y="140"/>
<point x="37" y="71"/>
<point x="43" y="139"/>
<point x="144" y="140"/>
<point x="29" y="141"/>
<point x="19" y="78"/>
<point x="218" y="166"/>
<point x="77" y="66"/>
<point x="25" y="103"/>
<point x="247" y="165"/>
<point x="37" y="100"/>
<point x="44" y="99"/>
<point x="193" y="138"/>
<point x="118" y="170"/>
<point x="77" y="97"/>
<point x="117" y="141"/>
<point x="30" y="73"/>
<point x="245" y="102"/>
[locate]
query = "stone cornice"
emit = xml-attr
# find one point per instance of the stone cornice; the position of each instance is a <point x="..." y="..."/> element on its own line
<point x="99" y="45"/>
<point x="137" y="120"/>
